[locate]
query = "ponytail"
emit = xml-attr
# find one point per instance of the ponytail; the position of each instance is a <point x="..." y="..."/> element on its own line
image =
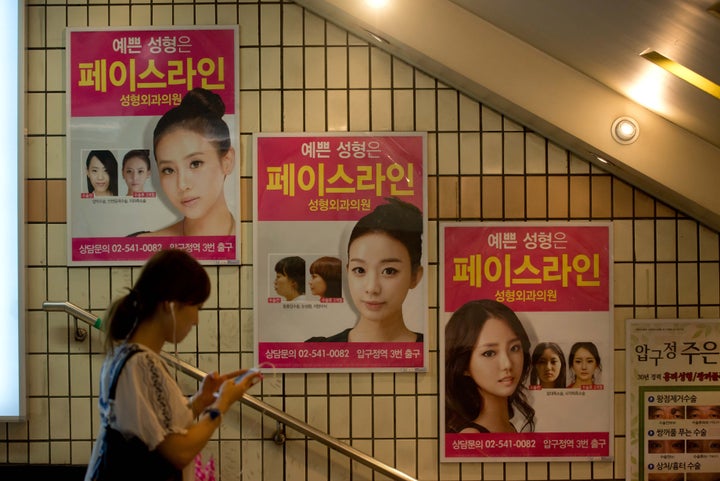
<point x="169" y="275"/>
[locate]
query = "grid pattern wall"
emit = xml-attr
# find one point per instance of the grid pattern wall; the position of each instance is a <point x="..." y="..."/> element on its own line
<point x="301" y="73"/>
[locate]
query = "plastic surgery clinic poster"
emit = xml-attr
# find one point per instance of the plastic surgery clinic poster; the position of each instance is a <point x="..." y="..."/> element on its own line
<point x="152" y="148"/>
<point x="340" y="252"/>
<point x="526" y="342"/>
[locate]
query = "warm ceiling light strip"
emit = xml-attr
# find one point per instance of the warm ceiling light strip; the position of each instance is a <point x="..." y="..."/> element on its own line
<point x="682" y="72"/>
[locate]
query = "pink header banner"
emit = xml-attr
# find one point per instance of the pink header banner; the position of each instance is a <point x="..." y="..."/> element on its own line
<point x="336" y="178"/>
<point x="534" y="268"/>
<point x="147" y="72"/>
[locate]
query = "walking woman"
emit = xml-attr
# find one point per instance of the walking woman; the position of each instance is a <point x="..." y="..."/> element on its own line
<point x="150" y="429"/>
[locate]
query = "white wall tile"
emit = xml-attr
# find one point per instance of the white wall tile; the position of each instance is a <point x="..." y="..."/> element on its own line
<point x="270" y="71"/>
<point x="688" y="283"/>
<point x="337" y="68"/>
<point x="492" y="153"/>
<point x="358" y="64"/>
<point x="380" y="69"/>
<point x="249" y="70"/>
<point x="381" y="112"/>
<point x="359" y="110"/>
<point x="709" y="283"/>
<point x="314" y="67"/>
<point x="271" y="103"/>
<point x="448" y="160"/>
<point x="270" y="24"/>
<point x="293" y="76"/>
<point x="337" y="111"/>
<point x="687" y="240"/>
<point x="292" y="25"/>
<point x="293" y="111"/>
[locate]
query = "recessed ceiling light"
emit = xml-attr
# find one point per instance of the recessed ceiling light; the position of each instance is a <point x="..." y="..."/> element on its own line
<point x="682" y="72"/>
<point x="625" y="130"/>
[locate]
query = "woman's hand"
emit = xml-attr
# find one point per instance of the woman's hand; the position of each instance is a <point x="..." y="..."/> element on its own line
<point x="230" y="391"/>
<point x="181" y="449"/>
<point x="208" y="389"/>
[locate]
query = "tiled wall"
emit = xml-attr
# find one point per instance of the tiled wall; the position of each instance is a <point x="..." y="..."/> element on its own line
<point x="299" y="73"/>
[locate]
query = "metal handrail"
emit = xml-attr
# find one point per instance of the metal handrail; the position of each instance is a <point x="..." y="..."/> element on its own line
<point x="264" y="408"/>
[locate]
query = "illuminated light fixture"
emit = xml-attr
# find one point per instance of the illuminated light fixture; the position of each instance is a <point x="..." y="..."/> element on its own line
<point x="376" y="37"/>
<point x="682" y="72"/>
<point x="376" y="3"/>
<point x="625" y="130"/>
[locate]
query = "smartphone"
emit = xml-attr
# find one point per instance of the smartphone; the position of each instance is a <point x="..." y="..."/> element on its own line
<point x="250" y="371"/>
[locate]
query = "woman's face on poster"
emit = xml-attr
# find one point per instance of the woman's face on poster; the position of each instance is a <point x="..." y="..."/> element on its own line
<point x="496" y="362"/>
<point x="379" y="275"/>
<point x="548" y="367"/>
<point x="99" y="177"/>
<point x="192" y="174"/>
<point x="284" y="286"/>
<point x="584" y="365"/>
<point x="135" y="173"/>
<point x="318" y="286"/>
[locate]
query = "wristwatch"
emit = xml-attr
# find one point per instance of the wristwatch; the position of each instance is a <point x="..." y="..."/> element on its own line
<point x="214" y="413"/>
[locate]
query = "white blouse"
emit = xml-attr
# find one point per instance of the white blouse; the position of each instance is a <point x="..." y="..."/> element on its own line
<point x="148" y="401"/>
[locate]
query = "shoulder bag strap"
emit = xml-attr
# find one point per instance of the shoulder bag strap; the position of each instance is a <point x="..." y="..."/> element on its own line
<point x="131" y="351"/>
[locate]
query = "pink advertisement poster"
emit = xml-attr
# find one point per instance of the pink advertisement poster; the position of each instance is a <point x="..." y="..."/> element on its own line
<point x="152" y="148"/>
<point x="340" y="252"/>
<point x="526" y="341"/>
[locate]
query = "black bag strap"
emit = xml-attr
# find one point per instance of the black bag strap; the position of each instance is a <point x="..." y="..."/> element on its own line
<point x="130" y="351"/>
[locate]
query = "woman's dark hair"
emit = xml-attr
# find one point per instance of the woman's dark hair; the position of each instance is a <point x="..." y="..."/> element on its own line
<point x="330" y="269"/>
<point x="143" y="154"/>
<point x="294" y="268"/>
<point x="590" y="347"/>
<point x="398" y="219"/>
<point x="169" y="275"/>
<point x="463" y="401"/>
<point x="108" y="160"/>
<point x="561" y="380"/>
<point x="200" y="111"/>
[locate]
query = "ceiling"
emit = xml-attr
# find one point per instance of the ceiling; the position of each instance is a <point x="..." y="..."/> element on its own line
<point x="567" y="69"/>
<point x="603" y="39"/>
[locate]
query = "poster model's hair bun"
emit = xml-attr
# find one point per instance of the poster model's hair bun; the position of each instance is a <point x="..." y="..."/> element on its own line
<point x="200" y="101"/>
<point x="200" y="111"/>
